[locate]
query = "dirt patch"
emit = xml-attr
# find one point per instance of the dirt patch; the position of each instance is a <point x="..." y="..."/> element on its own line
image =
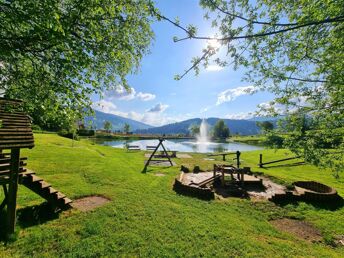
<point x="160" y="163"/>
<point x="89" y="203"/>
<point x="159" y="174"/>
<point x="269" y="189"/>
<point x="298" y="228"/>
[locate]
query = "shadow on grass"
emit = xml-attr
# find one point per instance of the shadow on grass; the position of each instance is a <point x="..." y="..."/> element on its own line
<point x="333" y="205"/>
<point x="154" y="168"/>
<point x="35" y="215"/>
<point x="27" y="217"/>
<point x="287" y="165"/>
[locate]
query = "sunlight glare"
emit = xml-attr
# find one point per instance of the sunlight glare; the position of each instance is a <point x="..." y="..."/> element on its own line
<point x="213" y="43"/>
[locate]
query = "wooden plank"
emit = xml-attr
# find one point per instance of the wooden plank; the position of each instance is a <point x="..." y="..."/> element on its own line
<point x="9" y="132"/>
<point x="14" y="119"/>
<point x="16" y="126"/>
<point x="14" y="130"/>
<point x="14" y="101"/>
<point x="8" y="159"/>
<point x="5" y="172"/>
<point x="14" y="111"/>
<point x="12" y="115"/>
<point x="15" y="123"/>
<point x="15" y="141"/>
<point x="17" y="137"/>
<point x="13" y="146"/>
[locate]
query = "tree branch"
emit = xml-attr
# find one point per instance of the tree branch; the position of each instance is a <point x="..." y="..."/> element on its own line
<point x="263" y="34"/>
<point x="195" y="64"/>
<point x="248" y="20"/>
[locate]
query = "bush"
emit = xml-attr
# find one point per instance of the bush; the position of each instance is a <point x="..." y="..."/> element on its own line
<point x="85" y="132"/>
<point x="68" y="134"/>
<point x="274" y="141"/>
<point x="36" y="128"/>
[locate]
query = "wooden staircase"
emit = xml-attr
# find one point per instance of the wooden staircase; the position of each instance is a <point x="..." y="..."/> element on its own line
<point x="36" y="184"/>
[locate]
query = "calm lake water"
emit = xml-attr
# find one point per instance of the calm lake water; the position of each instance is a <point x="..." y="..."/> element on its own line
<point x="183" y="145"/>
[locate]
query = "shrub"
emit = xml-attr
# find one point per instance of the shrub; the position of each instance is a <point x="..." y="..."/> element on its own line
<point x="68" y="134"/>
<point x="85" y="132"/>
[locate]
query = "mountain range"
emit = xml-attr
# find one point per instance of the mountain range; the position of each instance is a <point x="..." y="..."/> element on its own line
<point x="242" y="127"/>
<point x="117" y="122"/>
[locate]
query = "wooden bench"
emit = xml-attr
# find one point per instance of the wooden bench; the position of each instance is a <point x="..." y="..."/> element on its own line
<point x="133" y="147"/>
<point x="150" y="147"/>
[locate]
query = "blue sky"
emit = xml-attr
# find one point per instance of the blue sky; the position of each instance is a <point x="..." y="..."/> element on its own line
<point x="157" y="99"/>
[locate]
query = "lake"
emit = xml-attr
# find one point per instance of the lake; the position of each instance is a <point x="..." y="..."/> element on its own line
<point x="183" y="145"/>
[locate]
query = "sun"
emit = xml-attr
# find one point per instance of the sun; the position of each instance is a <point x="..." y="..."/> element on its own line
<point x="213" y="43"/>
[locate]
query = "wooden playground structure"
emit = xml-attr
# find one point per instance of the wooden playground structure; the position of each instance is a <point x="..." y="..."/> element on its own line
<point x="16" y="134"/>
<point x="164" y="156"/>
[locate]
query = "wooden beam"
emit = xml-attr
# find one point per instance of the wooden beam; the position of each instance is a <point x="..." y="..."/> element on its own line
<point x="12" y="191"/>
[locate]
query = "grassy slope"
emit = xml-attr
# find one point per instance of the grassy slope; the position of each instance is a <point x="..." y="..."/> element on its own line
<point x="147" y="218"/>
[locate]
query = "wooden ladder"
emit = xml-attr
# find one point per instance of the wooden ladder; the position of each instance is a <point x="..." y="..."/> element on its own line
<point x="36" y="184"/>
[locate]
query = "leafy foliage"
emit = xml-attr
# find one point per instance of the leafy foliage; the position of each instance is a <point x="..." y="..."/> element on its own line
<point x="221" y="130"/>
<point x="194" y="129"/>
<point x="107" y="126"/>
<point x="126" y="128"/>
<point x="54" y="54"/>
<point x="266" y="126"/>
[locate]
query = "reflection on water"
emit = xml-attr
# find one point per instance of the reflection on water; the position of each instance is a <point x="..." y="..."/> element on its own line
<point x="183" y="145"/>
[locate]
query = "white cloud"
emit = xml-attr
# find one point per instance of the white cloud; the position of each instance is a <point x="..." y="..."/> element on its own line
<point x="153" y="116"/>
<point x="283" y="109"/>
<point x="105" y="106"/>
<point x="119" y="92"/>
<point x="232" y="94"/>
<point x="240" y="116"/>
<point x="214" y="68"/>
<point x="145" y="96"/>
<point x="158" y="108"/>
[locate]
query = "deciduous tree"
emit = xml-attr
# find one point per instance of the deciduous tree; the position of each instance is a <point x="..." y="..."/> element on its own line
<point x="126" y="128"/>
<point x="107" y="126"/>
<point x="294" y="49"/>
<point x="221" y="130"/>
<point x="55" y="54"/>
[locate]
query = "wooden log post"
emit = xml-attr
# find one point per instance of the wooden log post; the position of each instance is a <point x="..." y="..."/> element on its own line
<point x="260" y="160"/>
<point x="12" y="190"/>
<point x="238" y="158"/>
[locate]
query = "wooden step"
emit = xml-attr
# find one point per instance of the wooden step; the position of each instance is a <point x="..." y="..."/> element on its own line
<point x="51" y="191"/>
<point x="27" y="173"/>
<point x="66" y="201"/>
<point x="42" y="184"/>
<point x="44" y="189"/>
<point x="34" y="178"/>
<point x="59" y="195"/>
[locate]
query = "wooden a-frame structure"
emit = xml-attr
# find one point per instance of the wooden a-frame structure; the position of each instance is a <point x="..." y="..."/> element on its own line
<point x="164" y="155"/>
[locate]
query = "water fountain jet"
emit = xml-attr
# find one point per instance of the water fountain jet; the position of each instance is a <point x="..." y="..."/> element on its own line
<point x="203" y="136"/>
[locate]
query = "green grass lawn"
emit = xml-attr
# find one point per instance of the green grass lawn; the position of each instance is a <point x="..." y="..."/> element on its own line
<point x="147" y="218"/>
<point x="249" y="139"/>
